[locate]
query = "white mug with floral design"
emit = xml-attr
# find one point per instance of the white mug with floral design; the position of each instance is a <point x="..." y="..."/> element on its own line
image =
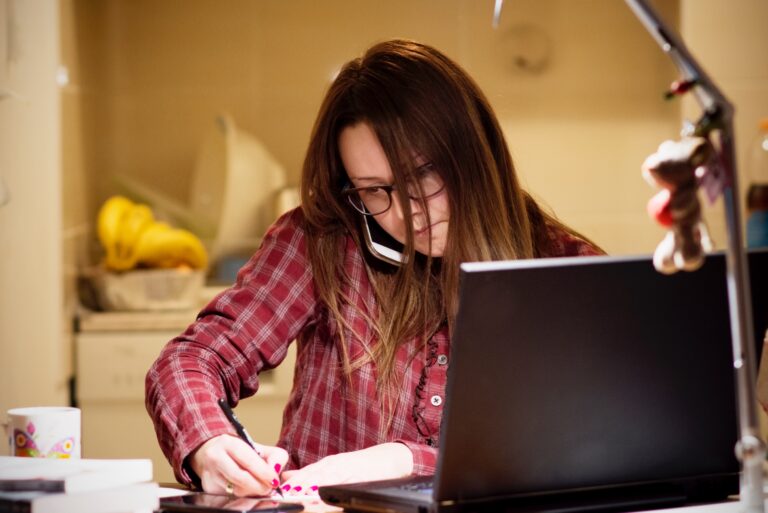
<point x="44" y="432"/>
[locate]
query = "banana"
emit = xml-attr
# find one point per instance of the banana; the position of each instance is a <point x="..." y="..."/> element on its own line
<point x="109" y="221"/>
<point x="135" y="220"/>
<point x="131" y="237"/>
<point x="164" y="247"/>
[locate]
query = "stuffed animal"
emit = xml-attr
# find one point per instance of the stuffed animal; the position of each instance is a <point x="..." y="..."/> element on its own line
<point x="676" y="168"/>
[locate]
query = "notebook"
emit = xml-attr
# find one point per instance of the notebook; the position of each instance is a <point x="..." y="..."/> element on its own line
<point x="70" y="475"/>
<point x="582" y="384"/>
<point x="136" y="497"/>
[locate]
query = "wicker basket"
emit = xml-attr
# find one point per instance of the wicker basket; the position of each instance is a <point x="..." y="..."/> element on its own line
<point x="148" y="289"/>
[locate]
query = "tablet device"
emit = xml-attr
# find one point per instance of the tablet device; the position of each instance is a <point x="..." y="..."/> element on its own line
<point x="199" y="502"/>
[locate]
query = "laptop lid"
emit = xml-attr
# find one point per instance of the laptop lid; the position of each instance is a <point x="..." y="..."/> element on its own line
<point x="576" y="374"/>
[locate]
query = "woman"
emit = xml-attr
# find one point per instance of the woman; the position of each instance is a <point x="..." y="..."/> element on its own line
<point x="405" y="141"/>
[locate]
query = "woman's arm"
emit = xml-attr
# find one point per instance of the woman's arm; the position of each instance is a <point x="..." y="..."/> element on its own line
<point x="243" y="331"/>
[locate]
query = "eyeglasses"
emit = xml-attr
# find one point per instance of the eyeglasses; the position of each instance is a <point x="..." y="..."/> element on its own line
<point x="376" y="199"/>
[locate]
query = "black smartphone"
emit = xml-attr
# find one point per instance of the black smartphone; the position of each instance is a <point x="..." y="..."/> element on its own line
<point x="200" y="502"/>
<point x="381" y="244"/>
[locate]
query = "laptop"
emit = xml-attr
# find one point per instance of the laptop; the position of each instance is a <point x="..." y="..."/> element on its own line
<point x="582" y="384"/>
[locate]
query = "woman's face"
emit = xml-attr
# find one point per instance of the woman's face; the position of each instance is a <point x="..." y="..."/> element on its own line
<point x="367" y="165"/>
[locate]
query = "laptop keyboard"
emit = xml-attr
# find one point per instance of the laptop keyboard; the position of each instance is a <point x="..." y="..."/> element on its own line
<point x="420" y="486"/>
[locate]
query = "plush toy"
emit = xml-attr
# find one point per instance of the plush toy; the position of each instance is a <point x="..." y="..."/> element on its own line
<point x="676" y="168"/>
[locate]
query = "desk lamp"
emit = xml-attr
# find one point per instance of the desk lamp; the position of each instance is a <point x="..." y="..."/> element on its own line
<point x="715" y="127"/>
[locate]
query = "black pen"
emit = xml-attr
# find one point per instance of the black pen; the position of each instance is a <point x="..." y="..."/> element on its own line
<point x="242" y="433"/>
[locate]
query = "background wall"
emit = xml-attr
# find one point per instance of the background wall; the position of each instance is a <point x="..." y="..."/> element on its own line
<point x="731" y="40"/>
<point x="35" y="349"/>
<point x="157" y="74"/>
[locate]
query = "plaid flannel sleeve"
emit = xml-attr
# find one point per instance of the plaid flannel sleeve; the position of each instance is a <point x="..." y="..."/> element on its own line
<point x="244" y="330"/>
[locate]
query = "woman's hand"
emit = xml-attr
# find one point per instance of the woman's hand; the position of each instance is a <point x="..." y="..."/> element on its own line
<point x="226" y="464"/>
<point x="384" y="461"/>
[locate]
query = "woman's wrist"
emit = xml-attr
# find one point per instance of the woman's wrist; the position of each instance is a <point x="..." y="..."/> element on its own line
<point x="194" y="479"/>
<point x="401" y="457"/>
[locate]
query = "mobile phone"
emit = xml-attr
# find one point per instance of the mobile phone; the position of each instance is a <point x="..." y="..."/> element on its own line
<point x="200" y="502"/>
<point x="381" y="244"/>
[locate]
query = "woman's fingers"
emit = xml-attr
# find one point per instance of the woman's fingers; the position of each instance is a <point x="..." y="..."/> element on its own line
<point x="307" y="480"/>
<point x="226" y="464"/>
<point x="384" y="461"/>
<point x="243" y="481"/>
<point x="276" y="457"/>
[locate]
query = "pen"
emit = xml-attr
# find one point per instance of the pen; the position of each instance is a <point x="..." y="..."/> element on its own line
<point x="241" y="432"/>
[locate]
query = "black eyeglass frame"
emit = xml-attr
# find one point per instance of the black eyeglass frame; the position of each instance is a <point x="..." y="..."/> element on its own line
<point x="350" y="192"/>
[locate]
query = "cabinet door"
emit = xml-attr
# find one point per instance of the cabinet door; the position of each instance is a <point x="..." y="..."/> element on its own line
<point x="112" y="366"/>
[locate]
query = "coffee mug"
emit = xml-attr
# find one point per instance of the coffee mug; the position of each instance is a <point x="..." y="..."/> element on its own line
<point x="44" y="432"/>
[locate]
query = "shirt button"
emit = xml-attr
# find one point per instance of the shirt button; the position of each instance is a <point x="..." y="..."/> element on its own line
<point x="436" y="400"/>
<point x="442" y="359"/>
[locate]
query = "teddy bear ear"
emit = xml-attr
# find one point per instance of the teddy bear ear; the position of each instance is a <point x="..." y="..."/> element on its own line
<point x="675" y="162"/>
<point x="649" y="177"/>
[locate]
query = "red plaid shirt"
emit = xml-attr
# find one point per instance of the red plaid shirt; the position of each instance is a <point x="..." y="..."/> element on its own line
<point x="248" y="328"/>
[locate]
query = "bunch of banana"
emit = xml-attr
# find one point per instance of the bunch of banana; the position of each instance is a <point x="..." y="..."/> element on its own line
<point x="131" y="237"/>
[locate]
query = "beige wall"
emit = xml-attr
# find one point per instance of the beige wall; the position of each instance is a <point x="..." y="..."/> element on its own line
<point x="35" y="355"/>
<point x="730" y="39"/>
<point x="149" y="77"/>
<point x="579" y="128"/>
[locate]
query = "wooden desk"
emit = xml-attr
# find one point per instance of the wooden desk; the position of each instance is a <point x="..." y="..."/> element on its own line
<point x="313" y="504"/>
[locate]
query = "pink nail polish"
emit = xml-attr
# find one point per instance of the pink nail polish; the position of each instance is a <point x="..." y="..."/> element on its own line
<point x="277" y="467"/>
<point x="286" y="488"/>
<point x="297" y="488"/>
<point x="314" y="488"/>
<point x="275" y="483"/>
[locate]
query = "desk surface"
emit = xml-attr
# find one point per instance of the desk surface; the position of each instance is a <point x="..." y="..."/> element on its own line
<point x="313" y="504"/>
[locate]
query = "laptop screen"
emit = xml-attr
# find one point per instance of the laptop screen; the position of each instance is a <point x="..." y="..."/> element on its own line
<point x="574" y="374"/>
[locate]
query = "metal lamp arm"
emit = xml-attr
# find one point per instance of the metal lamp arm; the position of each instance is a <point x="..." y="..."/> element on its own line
<point x="718" y="115"/>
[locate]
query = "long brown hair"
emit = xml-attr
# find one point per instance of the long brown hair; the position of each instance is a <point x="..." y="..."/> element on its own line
<point x="416" y="100"/>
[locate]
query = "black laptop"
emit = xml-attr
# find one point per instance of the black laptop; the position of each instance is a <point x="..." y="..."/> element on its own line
<point x="582" y="384"/>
